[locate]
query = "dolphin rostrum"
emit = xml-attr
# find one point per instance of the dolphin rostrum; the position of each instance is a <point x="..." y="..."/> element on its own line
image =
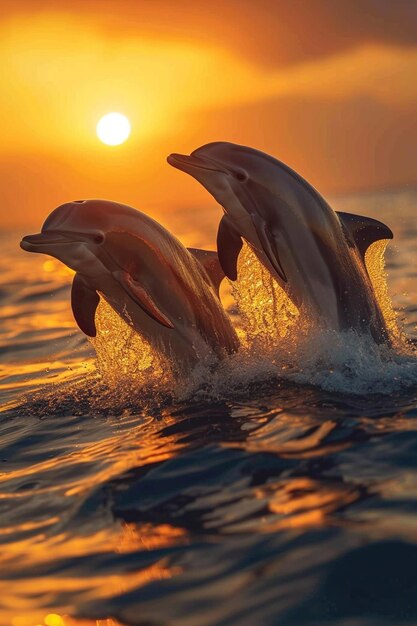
<point x="314" y="253"/>
<point x="167" y="293"/>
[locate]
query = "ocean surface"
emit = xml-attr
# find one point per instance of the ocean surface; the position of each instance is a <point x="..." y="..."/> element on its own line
<point x="279" y="489"/>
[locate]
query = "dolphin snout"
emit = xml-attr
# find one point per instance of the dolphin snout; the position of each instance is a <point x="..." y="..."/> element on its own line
<point x="188" y="163"/>
<point x="30" y="243"/>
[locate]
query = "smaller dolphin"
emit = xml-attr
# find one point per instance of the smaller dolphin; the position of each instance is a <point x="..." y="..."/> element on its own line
<point x="166" y="292"/>
<point x="314" y="253"/>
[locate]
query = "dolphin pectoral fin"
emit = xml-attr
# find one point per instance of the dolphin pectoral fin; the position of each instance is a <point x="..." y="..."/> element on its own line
<point x="142" y="298"/>
<point x="364" y="230"/>
<point x="268" y="244"/>
<point x="229" y="244"/>
<point x="84" y="302"/>
<point x="210" y="261"/>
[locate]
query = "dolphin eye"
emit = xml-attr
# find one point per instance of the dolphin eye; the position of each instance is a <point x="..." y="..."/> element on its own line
<point x="241" y="176"/>
<point x="98" y="238"/>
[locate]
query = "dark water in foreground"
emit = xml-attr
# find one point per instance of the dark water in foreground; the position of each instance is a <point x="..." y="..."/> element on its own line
<point x="272" y="496"/>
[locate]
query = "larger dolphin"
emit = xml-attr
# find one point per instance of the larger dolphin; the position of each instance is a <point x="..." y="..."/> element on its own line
<point x="147" y="276"/>
<point x="315" y="254"/>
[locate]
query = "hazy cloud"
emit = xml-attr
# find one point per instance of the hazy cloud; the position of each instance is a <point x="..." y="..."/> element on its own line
<point x="271" y="32"/>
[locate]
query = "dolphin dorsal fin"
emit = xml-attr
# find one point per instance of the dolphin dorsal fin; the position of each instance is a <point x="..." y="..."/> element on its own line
<point x="364" y="230"/>
<point x="229" y="244"/>
<point x="84" y="302"/>
<point x="210" y="261"/>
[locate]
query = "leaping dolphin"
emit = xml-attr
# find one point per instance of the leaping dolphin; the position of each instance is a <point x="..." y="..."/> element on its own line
<point x="314" y="253"/>
<point x="166" y="292"/>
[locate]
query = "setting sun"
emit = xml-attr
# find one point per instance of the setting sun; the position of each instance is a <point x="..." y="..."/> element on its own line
<point x="113" y="129"/>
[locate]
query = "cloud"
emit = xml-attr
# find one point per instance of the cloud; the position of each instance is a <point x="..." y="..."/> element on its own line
<point x="328" y="87"/>
<point x="273" y="33"/>
<point x="59" y="76"/>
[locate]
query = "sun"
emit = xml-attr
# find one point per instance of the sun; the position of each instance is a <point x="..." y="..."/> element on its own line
<point x="113" y="129"/>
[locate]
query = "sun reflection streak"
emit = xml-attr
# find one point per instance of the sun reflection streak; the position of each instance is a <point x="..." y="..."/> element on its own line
<point x="54" y="619"/>
<point x="130" y="539"/>
<point x="297" y="502"/>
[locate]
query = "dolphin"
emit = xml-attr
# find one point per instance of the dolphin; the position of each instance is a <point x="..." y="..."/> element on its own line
<point x="169" y="294"/>
<point x="314" y="253"/>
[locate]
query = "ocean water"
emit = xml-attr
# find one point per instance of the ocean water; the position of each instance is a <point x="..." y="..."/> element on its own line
<point x="279" y="489"/>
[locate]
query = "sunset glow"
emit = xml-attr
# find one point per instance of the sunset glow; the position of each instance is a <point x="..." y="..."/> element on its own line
<point x="340" y="112"/>
<point x="208" y="339"/>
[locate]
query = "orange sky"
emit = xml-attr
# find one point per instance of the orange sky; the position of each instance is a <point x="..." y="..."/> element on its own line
<point x="328" y="87"/>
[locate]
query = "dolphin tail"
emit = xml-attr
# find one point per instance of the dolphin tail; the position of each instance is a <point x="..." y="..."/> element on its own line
<point x="84" y="302"/>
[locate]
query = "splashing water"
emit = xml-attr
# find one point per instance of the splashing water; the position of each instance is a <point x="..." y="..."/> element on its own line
<point x="124" y="358"/>
<point x="375" y="265"/>
<point x="276" y="343"/>
<point x="267" y="313"/>
<point x="275" y="332"/>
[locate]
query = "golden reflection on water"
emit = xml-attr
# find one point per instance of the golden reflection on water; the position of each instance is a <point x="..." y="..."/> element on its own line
<point x="125" y="360"/>
<point x="304" y="502"/>
<point x="149" y="537"/>
<point x="129" y="539"/>
<point x="54" y="619"/>
<point x="69" y="476"/>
